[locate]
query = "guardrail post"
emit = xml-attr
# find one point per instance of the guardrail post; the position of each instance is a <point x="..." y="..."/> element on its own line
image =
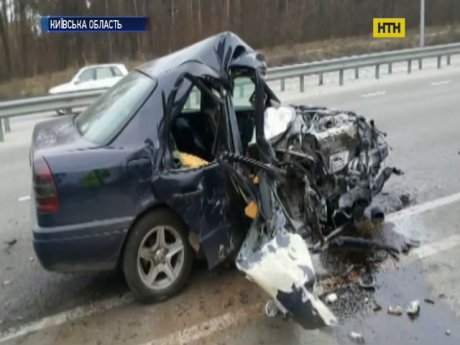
<point x="2" y="137"/>
<point x="341" y="77"/>
<point x="420" y="63"/>
<point x="283" y="84"/>
<point x="321" y="81"/>
<point x="390" y="68"/>
<point x="302" y="82"/>
<point x="6" y="120"/>
<point x="439" y="62"/>
<point x="377" y="71"/>
<point x="448" y="60"/>
<point x="409" y="66"/>
<point x="357" y="73"/>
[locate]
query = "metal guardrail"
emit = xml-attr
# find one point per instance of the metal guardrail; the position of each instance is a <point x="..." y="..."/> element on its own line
<point x="37" y="105"/>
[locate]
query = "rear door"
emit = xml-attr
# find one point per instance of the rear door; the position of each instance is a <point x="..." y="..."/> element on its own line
<point x="196" y="187"/>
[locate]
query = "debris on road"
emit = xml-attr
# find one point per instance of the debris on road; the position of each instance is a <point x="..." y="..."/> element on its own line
<point x="395" y="310"/>
<point x="357" y="337"/>
<point x="31" y="259"/>
<point x="331" y="298"/>
<point x="366" y="281"/>
<point x="375" y="306"/>
<point x="10" y="244"/>
<point x="271" y="310"/>
<point x="6" y="282"/>
<point x="413" y="309"/>
<point x="447" y="331"/>
<point x="429" y="301"/>
<point x="405" y="199"/>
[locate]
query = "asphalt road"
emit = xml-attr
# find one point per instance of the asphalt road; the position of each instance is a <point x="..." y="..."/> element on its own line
<point x="421" y="116"/>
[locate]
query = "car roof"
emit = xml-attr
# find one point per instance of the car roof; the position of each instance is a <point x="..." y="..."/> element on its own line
<point x="104" y="65"/>
<point x="219" y="52"/>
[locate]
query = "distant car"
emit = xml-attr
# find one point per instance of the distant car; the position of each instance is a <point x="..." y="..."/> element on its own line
<point x="139" y="179"/>
<point x="89" y="78"/>
<point x="92" y="77"/>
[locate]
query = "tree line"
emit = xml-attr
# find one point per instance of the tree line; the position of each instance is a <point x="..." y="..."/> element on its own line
<point x="25" y="51"/>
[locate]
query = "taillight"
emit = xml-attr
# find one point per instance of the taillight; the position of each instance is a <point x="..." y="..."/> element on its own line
<point x="46" y="197"/>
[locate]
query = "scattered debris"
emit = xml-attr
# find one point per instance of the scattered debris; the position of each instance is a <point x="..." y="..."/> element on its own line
<point x="12" y="242"/>
<point x="405" y="199"/>
<point x="447" y="331"/>
<point x="377" y="214"/>
<point x="442" y="295"/>
<point x="413" y="309"/>
<point x="375" y="306"/>
<point x="331" y="298"/>
<point x="6" y="282"/>
<point x="366" y="281"/>
<point x="395" y="310"/>
<point x="357" y="337"/>
<point x="31" y="259"/>
<point x="271" y="310"/>
<point x="429" y="301"/>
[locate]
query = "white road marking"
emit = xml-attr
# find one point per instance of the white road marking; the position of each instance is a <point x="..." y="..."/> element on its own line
<point x="374" y="94"/>
<point x="441" y="82"/>
<point x="222" y="322"/>
<point x="207" y="328"/>
<point x="65" y="316"/>
<point x="428" y="206"/>
<point x="434" y="248"/>
<point x="24" y="198"/>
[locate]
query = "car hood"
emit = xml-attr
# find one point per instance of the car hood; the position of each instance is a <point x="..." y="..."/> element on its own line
<point x="61" y="88"/>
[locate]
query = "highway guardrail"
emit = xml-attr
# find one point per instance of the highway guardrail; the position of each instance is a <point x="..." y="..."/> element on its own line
<point x="81" y="99"/>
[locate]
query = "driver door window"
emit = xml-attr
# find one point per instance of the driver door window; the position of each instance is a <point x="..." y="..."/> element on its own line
<point x="195" y="129"/>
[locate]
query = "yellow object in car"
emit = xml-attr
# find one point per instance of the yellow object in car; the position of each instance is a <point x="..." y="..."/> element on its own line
<point x="251" y="210"/>
<point x="188" y="160"/>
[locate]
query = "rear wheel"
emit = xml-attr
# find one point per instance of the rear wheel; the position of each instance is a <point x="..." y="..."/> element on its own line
<point x="158" y="259"/>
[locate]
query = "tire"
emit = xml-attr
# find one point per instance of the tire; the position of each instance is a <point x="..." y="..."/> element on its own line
<point x="143" y="242"/>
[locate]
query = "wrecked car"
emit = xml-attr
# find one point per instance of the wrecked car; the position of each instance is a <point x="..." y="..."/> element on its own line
<point x="175" y="163"/>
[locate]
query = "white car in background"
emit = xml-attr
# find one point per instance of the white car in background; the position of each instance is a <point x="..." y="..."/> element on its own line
<point x="93" y="77"/>
<point x="90" y="78"/>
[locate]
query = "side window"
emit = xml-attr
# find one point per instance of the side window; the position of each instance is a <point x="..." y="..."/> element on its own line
<point x="103" y="73"/>
<point x="243" y="89"/>
<point x="198" y="130"/>
<point x="86" y="75"/>
<point x="193" y="100"/>
<point x="116" y="71"/>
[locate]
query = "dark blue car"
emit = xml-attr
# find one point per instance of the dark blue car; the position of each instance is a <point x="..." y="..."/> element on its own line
<point x="133" y="180"/>
<point x="174" y="162"/>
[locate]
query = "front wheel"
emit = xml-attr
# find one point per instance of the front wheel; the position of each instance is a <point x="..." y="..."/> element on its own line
<point x="158" y="258"/>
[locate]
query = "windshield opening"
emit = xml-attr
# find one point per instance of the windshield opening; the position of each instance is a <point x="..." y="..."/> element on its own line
<point x="101" y="121"/>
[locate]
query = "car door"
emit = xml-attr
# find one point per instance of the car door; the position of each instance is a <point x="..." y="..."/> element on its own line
<point x="202" y="193"/>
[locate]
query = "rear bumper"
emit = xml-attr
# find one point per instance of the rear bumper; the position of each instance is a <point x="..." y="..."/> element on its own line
<point x="94" y="246"/>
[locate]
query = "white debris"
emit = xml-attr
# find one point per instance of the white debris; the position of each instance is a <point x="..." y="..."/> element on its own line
<point x="395" y="310"/>
<point x="331" y="298"/>
<point x="6" y="282"/>
<point x="447" y="331"/>
<point x="413" y="309"/>
<point x="357" y="337"/>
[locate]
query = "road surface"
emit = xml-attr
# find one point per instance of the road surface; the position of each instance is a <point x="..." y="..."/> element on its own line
<point x="421" y="115"/>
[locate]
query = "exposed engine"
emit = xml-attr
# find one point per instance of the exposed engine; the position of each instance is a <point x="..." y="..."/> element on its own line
<point x="334" y="162"/>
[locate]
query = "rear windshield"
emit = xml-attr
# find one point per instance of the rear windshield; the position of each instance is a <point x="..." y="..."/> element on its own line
<point x="105" y="117"/>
